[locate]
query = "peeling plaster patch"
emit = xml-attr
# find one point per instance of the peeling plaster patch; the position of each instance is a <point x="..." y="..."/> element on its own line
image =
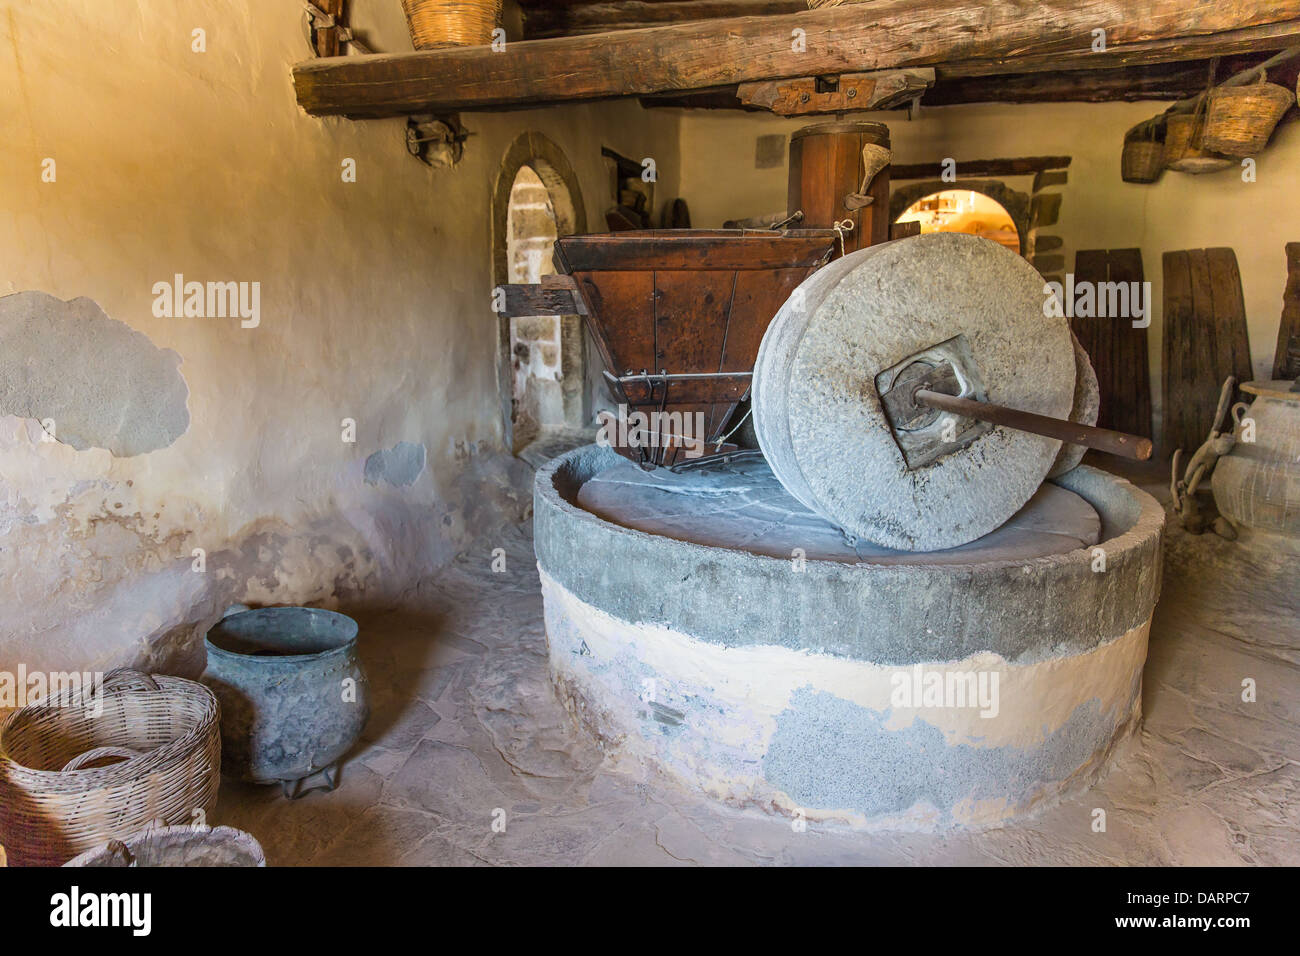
<point x="865" y="767"/>
<point x="399" y="465"/>
<point x="104" y="384"/>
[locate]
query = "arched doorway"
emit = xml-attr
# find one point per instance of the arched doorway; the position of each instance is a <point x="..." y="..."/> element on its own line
<point x="542" y="366"/>
<point x="986" y="204"/>
<point x="964" y="210"/>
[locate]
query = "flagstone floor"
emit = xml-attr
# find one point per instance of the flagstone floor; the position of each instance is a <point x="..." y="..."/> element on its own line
<point x="466" y="730"/>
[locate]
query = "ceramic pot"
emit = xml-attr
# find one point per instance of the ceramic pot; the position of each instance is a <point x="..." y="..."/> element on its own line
<point x="1257" y="484"/>
<point x="293" y="696"/>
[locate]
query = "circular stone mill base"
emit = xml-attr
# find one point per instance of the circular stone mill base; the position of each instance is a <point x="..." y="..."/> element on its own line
<point x="844" y="681"/>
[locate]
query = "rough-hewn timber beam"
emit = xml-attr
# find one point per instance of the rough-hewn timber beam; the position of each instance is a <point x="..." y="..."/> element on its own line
<point x="840" y="39"/>
<point x="1270" y="36"/>
<point x="1022" y="166"/>
<point x="1152" y="81"/>
<point x="607" y="15"/>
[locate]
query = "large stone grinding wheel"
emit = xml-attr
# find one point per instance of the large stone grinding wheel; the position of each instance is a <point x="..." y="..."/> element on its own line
<point x="876" y="317"/>
<point x="1087" y="407"/>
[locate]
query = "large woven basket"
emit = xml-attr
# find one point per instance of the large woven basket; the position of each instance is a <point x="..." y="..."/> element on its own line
<point x="440" y="23"/>
<point x="1183" y="150"/>
<point x="1143" y="158"/>
<point x="71" y="780"/>
<point x="1240" y="119"/>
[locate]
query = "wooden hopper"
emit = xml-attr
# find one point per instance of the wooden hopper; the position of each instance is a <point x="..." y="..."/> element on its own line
<point x="678" y="316"/>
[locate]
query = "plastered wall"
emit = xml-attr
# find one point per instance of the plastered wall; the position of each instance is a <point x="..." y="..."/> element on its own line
<point x="374" y="310"/>
<point x="1098" y="209"/>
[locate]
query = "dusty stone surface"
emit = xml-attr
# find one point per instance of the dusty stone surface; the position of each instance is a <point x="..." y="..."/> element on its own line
<point x="1086" y="408"/>
<point x="789" y="715"/>
<point x="466" y="722"/>
<point x="741" y="505"/>
<point x="882" y="612"/>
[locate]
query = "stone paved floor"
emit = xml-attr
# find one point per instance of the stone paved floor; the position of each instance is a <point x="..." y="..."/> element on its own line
<point x="465" y="724"/>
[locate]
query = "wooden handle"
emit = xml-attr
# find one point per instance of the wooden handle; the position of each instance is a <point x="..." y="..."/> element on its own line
<point x="1102" y="439"/>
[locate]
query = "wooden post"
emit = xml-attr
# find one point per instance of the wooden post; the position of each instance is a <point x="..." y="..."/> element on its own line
<point x="826" y="167"/>
<point x="327" y="38"/>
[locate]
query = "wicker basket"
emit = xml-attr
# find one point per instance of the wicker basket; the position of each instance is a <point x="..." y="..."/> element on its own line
<point x="1240" y="119"/>
<point x="70" y="780"/>
<point x="176" y="846"/>
<point x="1143" y="158"/>
<point x="440" y="23"/>
<point x="1183" y="152"/>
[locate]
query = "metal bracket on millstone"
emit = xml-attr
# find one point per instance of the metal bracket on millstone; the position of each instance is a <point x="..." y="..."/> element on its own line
<point x="923" y="434"/>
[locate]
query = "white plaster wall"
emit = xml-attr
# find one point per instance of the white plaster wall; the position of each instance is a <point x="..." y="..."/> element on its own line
<point x="1098" y="210"/>
<point x="375" y="303"/>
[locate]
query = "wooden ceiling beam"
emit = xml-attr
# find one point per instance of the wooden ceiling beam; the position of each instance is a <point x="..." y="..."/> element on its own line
<point x="1158" y="81"/>
<point x="1022" y="166"/>
<point x="1154" y="81"/>
<point x="603" y="16"/>
<point x="1266" y="37"/>
<point x="994" y="35"/>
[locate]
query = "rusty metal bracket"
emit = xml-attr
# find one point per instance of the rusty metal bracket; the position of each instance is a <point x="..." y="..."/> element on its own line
<point x="435" y="141"/>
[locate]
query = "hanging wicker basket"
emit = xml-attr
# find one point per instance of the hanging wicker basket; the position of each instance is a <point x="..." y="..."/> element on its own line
<point x="73" y="776"/>
<point x="1143" y="158"/>
<point x="1183" y="150"/>
<point x="1240" y="119"/>
<point x="442" y="23"/>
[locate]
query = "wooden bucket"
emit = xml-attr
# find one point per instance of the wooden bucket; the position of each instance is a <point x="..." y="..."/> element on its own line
<point x="1143" y="157"/>
<point x="441" y="23"/>
<point x="1183" y="150"/>
<point x="1240" y="119"/>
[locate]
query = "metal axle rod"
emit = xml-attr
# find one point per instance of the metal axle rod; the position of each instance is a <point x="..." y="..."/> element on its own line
<point x="1102" y="439"/>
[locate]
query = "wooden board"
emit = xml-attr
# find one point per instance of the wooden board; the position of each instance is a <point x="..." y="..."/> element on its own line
<point x="1019" y="166"/>
<point x="1205" y="340"/>
<point x="1117" y="350"/>
<point x="1285" y="366"/>
<point x="981" y="36"/>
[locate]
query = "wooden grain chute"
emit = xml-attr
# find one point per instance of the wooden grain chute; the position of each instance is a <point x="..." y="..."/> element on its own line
<point x="678" y="315"/>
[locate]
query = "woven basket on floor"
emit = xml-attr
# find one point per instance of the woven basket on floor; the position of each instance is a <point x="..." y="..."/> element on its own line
<point x="1143" y="158"/>
<point x="176" y="846"/>
<point x="1240" y="119"/>
<point x="1183" y="150"/>
<point x="439" y="23"/>
<point x="71" y="780"/>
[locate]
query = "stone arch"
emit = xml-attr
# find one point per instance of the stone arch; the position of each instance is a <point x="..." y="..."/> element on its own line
<point x="1016" y="203"/>
<point x="535" y="152"/>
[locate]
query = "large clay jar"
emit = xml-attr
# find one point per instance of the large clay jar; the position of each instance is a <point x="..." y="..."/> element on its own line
<point x="293" y="697"/>
<point x="1257" y="485"/>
